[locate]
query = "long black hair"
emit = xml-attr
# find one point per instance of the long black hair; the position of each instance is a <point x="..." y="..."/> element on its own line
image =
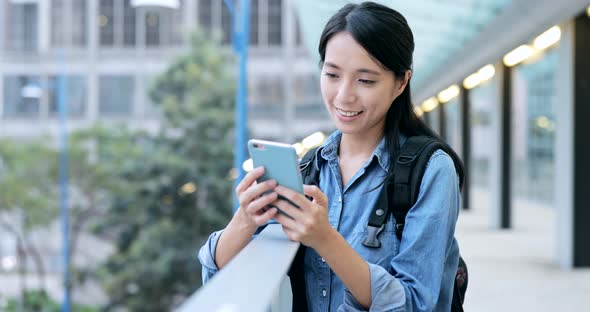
<point x="385" y="34"/>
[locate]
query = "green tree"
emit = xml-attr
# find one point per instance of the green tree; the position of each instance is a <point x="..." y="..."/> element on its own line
<point x="27" y="199"/>
<point x="182" y="188"/>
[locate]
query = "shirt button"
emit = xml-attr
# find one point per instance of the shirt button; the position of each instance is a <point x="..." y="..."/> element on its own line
<point x="339" y="199"/>
<point x="324" y="292"/>
<point x="323" y="260"/>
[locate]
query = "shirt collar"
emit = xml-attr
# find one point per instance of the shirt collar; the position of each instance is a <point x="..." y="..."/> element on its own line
<point x="329" y="150"/>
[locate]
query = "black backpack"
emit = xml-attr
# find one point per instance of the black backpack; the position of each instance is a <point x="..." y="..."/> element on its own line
<point x="397" y="197"/>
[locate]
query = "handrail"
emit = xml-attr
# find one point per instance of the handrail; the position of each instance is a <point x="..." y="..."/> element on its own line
<point x="250" y="281"/>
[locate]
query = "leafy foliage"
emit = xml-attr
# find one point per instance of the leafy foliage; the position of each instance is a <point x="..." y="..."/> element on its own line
<point x="178" y="188"/>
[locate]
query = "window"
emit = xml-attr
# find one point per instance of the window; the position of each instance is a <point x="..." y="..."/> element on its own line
<point x="116" y="95"/>
<point x="214" y="16"/>
<point x="68" y="18"/>
<point x="75" y="95"/>
<point x="22" y="95"/>
<point x="106" y="22"/>
<point x="306" y="88"/>
<point x="533" y="137"/>
<point x="275" y="26"/>
<point x="79" y="20"/>
<point x="226" y="24"/>
<point x="254" y="27"/>
<point x="298" y="33"/>
<point x="152" y="29"/>
<point x="205" y="15"/>
<point x="266" y="95"/>
<point x="129" y="25"/>
<point x="20" y="29"/>
<point x="163" y="26"/>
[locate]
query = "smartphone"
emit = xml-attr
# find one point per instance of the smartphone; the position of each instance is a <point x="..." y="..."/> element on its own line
<point x="279" y="161"/>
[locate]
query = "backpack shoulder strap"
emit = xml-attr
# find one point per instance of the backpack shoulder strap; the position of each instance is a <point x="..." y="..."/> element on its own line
<point x="396" y="195"/>
<point x="409" y="169"/>
<point x="308" y="168"/>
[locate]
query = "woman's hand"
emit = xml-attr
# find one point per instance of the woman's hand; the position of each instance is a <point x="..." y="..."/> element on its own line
<point x="253" y="208"/>
<point x="251" y="214"/>
<point x="307" y="224"/>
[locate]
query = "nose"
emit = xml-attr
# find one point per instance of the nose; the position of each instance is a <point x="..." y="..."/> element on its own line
<point x="346" y="93"/>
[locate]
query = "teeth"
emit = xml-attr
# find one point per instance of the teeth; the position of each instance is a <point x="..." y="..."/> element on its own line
<point x="347" y="114"/>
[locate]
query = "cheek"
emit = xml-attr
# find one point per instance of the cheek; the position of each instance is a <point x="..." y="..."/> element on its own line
<point x="381" y="100"/>
<point x="327" y="89"/>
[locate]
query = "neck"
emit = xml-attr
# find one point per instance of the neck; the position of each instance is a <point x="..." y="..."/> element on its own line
<point x="355" y="145"/>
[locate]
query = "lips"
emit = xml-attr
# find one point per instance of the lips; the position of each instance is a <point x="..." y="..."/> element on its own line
<point x="346" y="113"/>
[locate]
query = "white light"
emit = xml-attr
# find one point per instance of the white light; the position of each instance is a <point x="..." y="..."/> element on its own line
<point x="543" y="122"/>
<point x="232" y="174"/>
<point x="518" y="55"/>
<point x="418" y="111"/>
<point x="471" y="81"/>
<point x="548" y="38"/>
<point x="172" y="4"/>
<point x="482" y="75"/>
<point x="429" y="105"/>
<point x="31" y="92"/>
<point x="315" y="139"/>
<point x="448" y="94"/>
<point x="298" y="148"/>
<point x="8" y="263"/>
<point x="486" y="72"/>
<point x="188" y="188"/>
<point x="588" y="11"/>
<point x="248" y="165"/>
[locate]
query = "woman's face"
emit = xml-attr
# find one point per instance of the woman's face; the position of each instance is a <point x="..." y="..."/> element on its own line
<point x="356" y="90"/>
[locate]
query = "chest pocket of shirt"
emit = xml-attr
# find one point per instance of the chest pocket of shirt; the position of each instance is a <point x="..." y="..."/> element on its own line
<point x="389" y="243"/>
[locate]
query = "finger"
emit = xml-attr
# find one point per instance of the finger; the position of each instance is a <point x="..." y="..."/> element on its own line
<point x="289" y="209"/>
<point x="256" y="205"/>
<point x="249" y="179"/>
<point x="255" y="191"/>
<point x="316" y="193"/>
<point x="295" y="197"/>
<point x="265" y="217"/>
<point x="286" y="222"/>
<point x="291" y="235"/>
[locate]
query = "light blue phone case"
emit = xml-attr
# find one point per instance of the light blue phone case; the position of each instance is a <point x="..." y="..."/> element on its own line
<point x="280" y="163"/>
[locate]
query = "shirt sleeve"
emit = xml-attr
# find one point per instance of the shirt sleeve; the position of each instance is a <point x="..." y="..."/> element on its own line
<point x="207" y="253"/>
<point x="387" y="293"/>
<point x="416" y="276"/>
<point x="207" y="256"/>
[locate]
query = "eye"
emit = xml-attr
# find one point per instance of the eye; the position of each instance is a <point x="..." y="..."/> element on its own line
<point x="367" y="82"/>
<point x="330" y="75"/>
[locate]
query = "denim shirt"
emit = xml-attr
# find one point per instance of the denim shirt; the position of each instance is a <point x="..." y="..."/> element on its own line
<point x="414" y="274"/>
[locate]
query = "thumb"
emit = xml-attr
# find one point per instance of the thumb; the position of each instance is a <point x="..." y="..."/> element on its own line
<point x="316" y="193"/>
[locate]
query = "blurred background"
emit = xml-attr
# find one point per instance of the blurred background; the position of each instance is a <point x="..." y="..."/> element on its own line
<point x="123" y="127"/>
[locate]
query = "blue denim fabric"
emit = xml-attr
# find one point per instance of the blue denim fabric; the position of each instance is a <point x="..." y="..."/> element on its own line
<point x="416" y="274"/>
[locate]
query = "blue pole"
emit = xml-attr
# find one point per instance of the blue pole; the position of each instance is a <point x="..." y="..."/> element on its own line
<point x="63" y="186"/>
<point x="241" y="31"/>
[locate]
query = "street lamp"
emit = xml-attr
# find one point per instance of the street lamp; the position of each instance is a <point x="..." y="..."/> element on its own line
<point x="35" y="91"/>
<point x="240" y="41"/>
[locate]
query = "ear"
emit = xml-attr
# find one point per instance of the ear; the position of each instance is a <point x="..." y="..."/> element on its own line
<point x="403" y="83"/>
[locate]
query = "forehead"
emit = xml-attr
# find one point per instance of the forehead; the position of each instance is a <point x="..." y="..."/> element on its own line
<point x="343" y="51"/>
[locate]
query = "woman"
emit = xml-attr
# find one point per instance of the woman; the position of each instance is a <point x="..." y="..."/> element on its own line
<point x="366" y="58"/>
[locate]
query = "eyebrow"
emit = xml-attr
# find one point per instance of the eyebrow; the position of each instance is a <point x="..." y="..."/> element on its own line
<point x="360" y="70"/>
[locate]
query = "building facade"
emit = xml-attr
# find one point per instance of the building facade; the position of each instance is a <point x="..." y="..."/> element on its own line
<point x="110" y="52"/>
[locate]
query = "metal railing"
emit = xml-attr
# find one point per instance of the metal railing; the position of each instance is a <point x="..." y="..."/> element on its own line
<point x="254" y="281"/>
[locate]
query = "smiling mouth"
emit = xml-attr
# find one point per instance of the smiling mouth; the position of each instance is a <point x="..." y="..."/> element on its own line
<point x="347" y="113"/>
